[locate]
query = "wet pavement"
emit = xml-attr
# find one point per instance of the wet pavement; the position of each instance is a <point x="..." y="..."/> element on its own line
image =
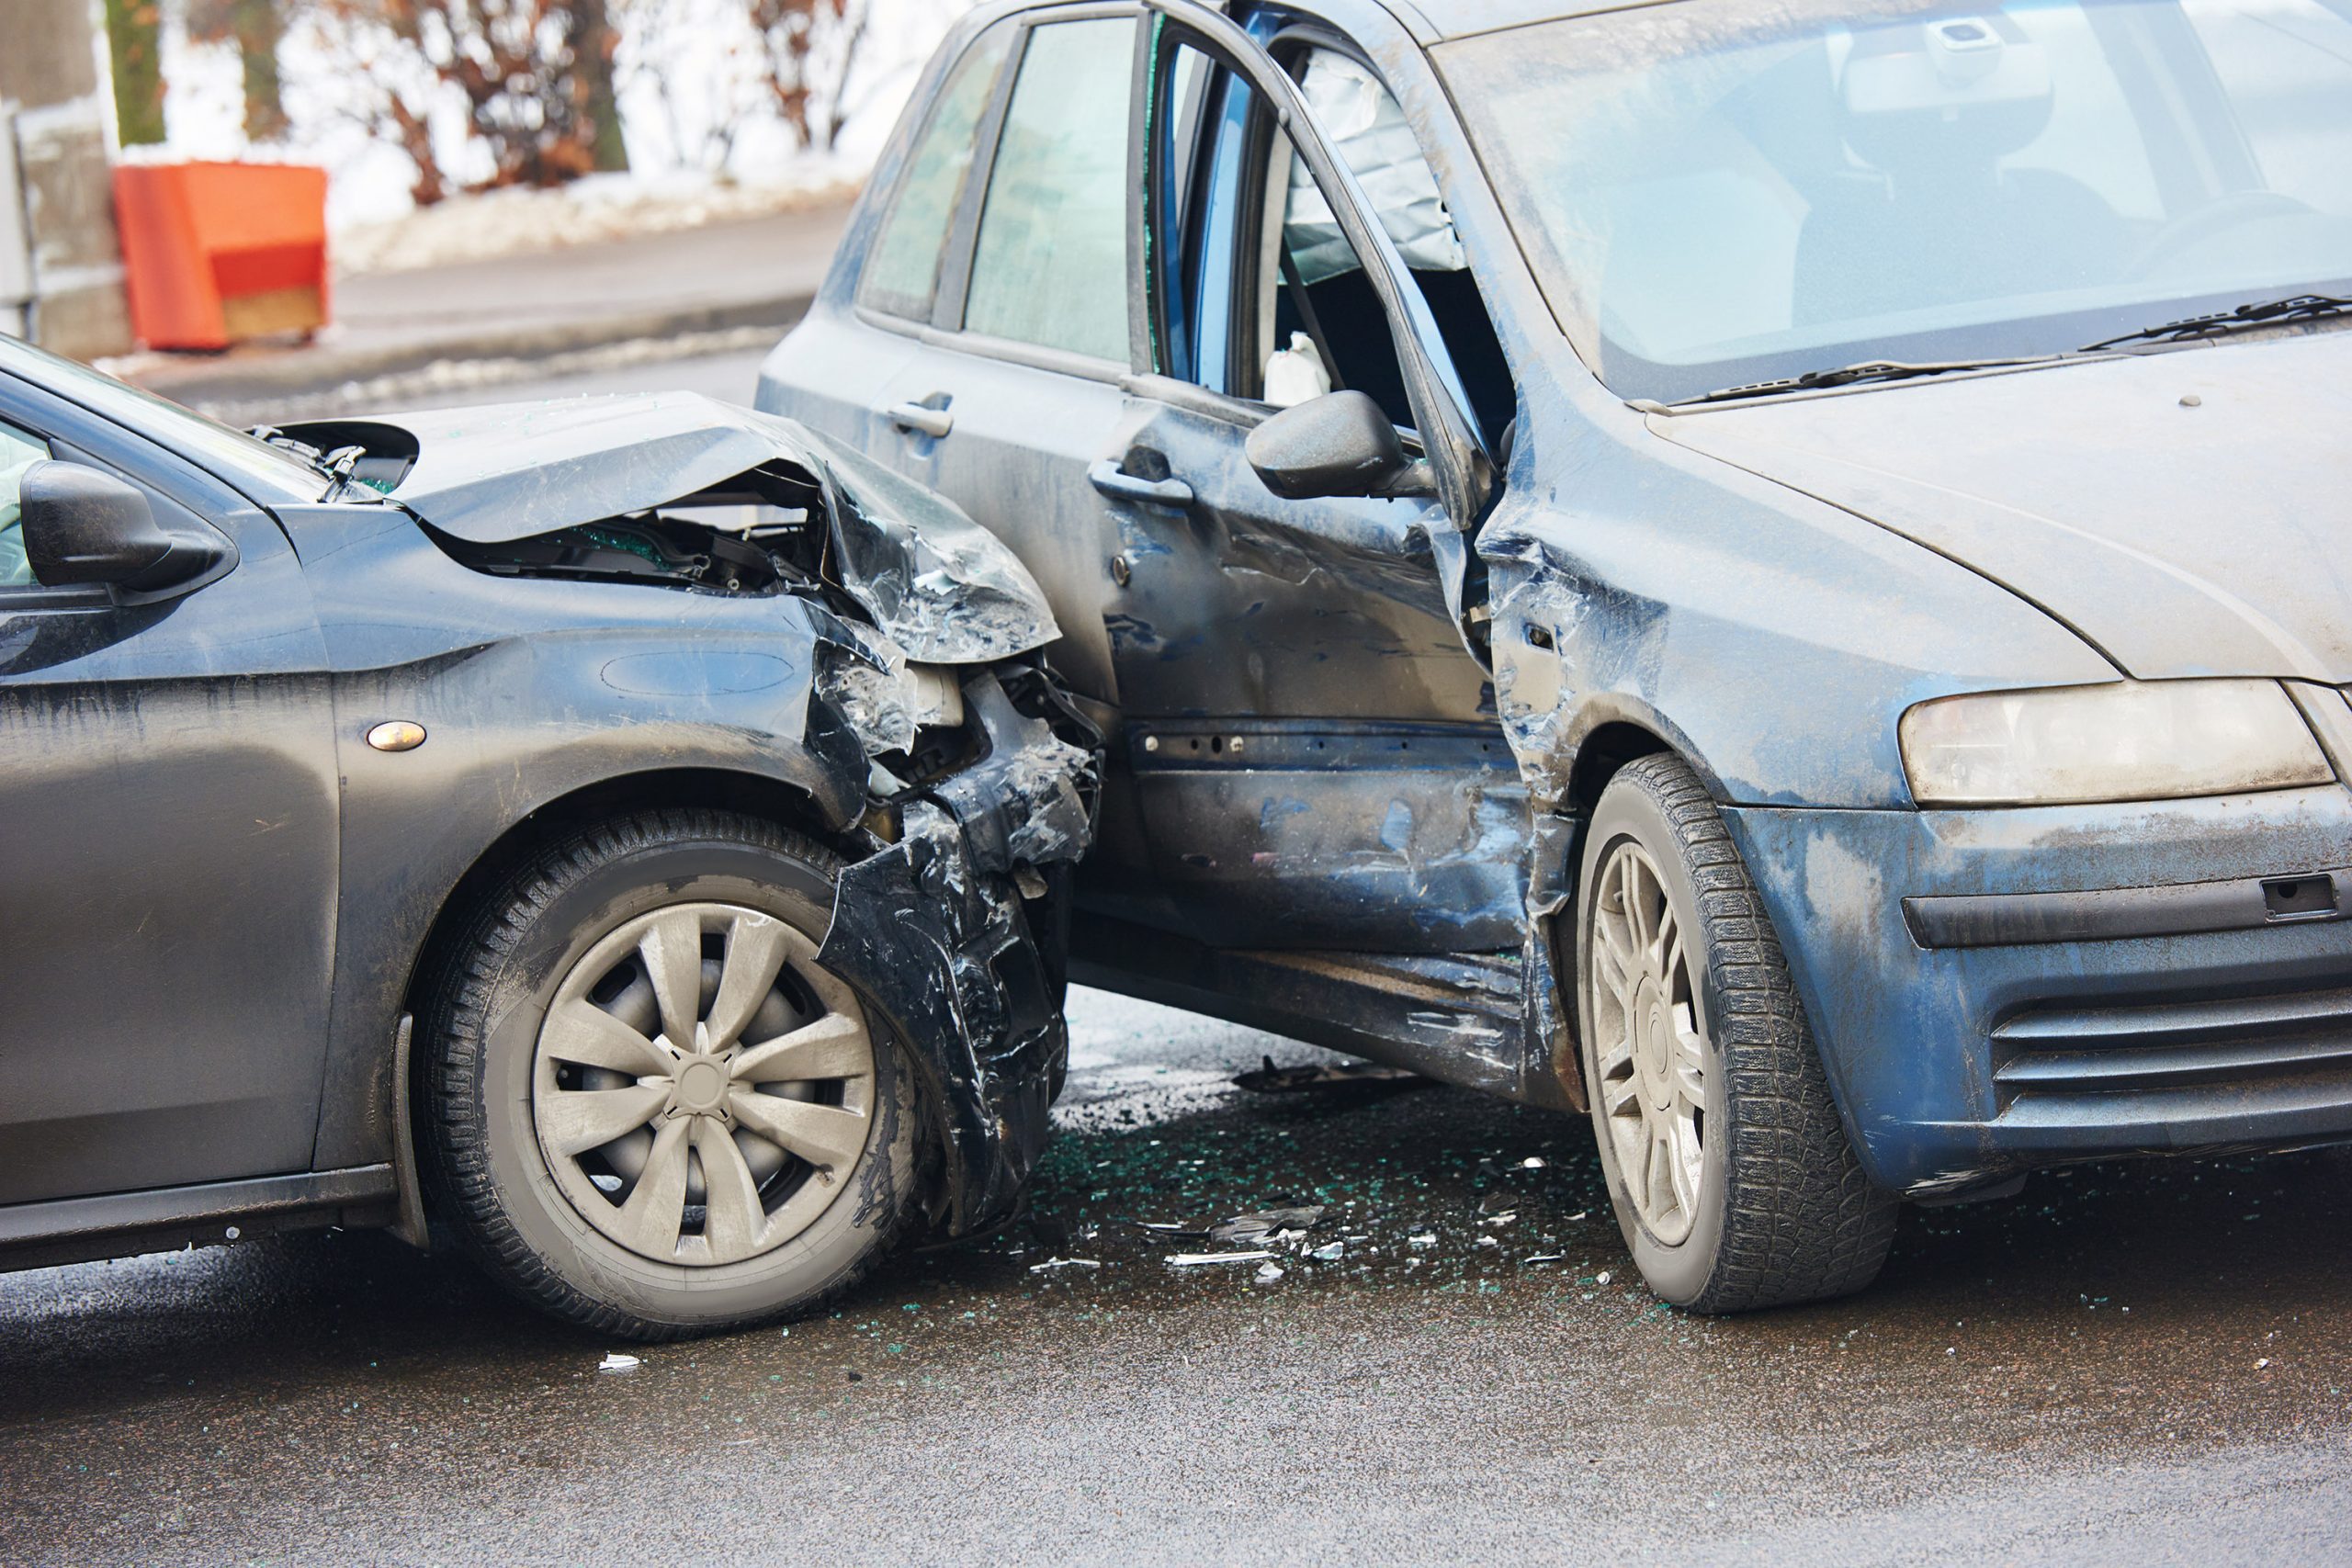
<point x="2128" y="1363"/>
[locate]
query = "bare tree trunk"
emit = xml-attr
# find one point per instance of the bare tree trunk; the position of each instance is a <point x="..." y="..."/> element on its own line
<point x="593" y="41"/>
<point x="837" y="101"/>
<point x="258" y="26"/>
<point x="135" y="39"/>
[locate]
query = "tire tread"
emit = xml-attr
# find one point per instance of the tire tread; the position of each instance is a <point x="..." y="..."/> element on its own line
<point x="1802" y="1220"/>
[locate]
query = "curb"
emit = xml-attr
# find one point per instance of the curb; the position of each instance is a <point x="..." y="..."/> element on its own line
<point x="297" y="372"/>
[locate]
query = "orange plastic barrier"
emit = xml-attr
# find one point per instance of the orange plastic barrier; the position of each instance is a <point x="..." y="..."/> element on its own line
<point x="219" y="252"/>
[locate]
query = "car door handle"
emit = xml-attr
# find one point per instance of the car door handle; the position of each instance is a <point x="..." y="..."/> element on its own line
<point x="1106" y="478"/>
<point x="921" y="417"/>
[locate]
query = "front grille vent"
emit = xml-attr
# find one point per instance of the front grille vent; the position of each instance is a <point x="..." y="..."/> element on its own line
<point x="2284" y="1040"/>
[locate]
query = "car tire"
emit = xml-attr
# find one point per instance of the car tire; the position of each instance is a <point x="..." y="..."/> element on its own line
<point x="549" y="1023"/>
<point x="1727" y="1164"/>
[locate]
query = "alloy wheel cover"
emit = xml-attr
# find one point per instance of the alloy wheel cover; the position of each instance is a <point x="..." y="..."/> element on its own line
<point x="701" y="1088"/>
<point x="1649" y="1043"/>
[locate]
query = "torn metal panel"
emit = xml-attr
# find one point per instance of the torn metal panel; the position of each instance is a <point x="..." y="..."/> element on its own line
<point x="939" y="585"/>
<point x="937" y="928"/>
<point x="1548" y="1022"/>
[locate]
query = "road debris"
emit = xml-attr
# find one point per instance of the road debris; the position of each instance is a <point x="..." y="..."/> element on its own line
<point x="1268" y="1272"/>
<point x="1311" y="1075"/>
<point x="1329" y="1251"/>
<point x="1502" y="1219"/>
<point x="1267" y="1224"/>
<point x="615" y="1361"/>
<point x="1283" y="1226"/>
<point x="1425" y="1239"/>
<point x="1534" y="1162"/>
<point x="1546" y="1258"/>
<point x="1192" y="1259"/>
<point x="1051" y="1264"/>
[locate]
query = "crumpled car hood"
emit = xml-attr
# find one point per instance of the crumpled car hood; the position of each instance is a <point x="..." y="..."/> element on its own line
<point x="942" y="588"/>
<point x="2211" y="537"/>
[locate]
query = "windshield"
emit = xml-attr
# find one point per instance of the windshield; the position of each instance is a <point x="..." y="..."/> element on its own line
<point x="1715" y="192"/>
<point x="266" y="473"/>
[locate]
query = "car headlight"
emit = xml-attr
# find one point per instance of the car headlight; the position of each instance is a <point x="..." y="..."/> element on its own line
<point x="2129" y="740"/>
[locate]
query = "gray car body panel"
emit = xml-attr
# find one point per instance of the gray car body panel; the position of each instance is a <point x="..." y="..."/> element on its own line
<point x="2203" y="490"/>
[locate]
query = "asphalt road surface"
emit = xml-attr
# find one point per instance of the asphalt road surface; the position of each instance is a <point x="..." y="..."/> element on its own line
<point x="2128" y="1364"/>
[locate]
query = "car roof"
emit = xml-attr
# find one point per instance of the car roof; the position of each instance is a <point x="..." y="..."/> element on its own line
<point x="1429" y="21"/>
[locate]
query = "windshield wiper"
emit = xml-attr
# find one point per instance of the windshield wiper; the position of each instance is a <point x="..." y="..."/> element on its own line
<point x="1861" y="370"/>
<point x="2261" y="314"/>
<point x="336" y="466"/>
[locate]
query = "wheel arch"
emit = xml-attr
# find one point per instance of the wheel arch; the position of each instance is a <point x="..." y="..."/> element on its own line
<point x="721" y="789"/>
<point x="1619" y="733"/>
<point x="749" y="793"/>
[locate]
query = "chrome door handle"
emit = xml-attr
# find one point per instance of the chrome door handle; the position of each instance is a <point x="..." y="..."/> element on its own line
<point x="919" y="417"/>
<point x="1106" y="478"/>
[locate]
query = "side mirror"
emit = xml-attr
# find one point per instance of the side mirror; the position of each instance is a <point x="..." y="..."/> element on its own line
<point x="1337" y="445"/>
<point x="79" y="526"/>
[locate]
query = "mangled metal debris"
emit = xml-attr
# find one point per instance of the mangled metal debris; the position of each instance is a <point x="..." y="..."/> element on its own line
<point x="902" y="662"/>
<point x="1310" y="1076"/>
<point x="1275" y="1226"/>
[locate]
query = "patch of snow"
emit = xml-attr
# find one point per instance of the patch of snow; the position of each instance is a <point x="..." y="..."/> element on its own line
<point x="491" y="224"/>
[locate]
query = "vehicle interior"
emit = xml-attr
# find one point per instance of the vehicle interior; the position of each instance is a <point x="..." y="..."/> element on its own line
<point x="1302" y="279"/>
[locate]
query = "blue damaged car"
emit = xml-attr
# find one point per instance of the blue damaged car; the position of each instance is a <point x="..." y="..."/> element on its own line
<point x="1777" y="574"/>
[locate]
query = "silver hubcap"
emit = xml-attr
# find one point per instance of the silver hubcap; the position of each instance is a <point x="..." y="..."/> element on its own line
<point x="702" y="1089"/>
<point x="1650" y="1043"/>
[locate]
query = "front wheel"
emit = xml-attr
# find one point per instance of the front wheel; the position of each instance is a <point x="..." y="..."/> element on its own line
<point x="651" y="1109"/>
<point x="1726" y="1162"/>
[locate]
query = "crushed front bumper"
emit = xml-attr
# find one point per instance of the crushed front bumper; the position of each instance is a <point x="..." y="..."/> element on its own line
<point x="1997" y="990"/>
<point x="950" y="929"/>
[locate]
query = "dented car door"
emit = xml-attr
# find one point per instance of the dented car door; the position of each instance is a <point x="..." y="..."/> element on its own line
<point x="1313" y="744"/>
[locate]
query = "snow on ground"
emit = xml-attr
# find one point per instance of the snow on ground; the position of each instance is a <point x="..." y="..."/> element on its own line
<point x="706" y="143"/>
<point x="601" y="206"/>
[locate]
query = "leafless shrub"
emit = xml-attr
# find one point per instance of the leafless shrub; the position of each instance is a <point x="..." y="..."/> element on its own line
<point x="534" y="82"/>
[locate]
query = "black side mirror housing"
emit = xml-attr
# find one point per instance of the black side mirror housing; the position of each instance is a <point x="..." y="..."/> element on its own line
<point x="1337" y="445"/>
<point x="79" y="526"/>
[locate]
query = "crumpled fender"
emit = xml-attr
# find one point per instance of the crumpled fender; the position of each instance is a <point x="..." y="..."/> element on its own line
<point x="942" y="588"/>
<point x="934" y="930"/>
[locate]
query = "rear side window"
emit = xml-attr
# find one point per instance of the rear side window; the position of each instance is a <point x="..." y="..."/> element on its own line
<point x="1050" y="267"/>
<point x="902" y="269"/>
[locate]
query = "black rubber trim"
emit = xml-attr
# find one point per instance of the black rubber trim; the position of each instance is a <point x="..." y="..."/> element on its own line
<point x="2115" y="914"/>
<point x="117" y="1225"/>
